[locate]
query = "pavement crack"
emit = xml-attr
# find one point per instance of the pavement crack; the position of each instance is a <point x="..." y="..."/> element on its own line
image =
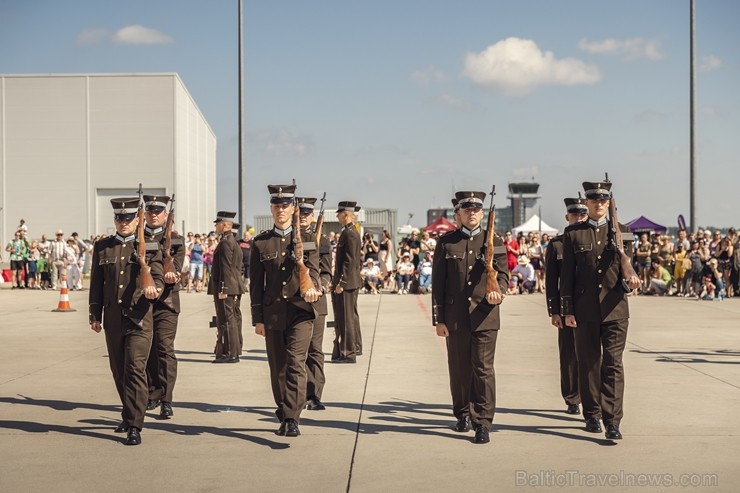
<point x="364" y="393"/>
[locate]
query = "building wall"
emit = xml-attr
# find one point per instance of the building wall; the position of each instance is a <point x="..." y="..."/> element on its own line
<point x="69" y="143"/>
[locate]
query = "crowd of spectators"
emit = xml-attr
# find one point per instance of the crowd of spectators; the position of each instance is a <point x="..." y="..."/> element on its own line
<point x="701" y="265"/>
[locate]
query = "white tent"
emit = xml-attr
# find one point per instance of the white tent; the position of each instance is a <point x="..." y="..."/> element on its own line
<point x="534" y="223"/>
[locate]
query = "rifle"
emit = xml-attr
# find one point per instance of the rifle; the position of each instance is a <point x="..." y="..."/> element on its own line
<point x="147" y="281"/>
<point x="320" y="221"/>
<point x="615" y="239"/>
<point x="492" y="285"/>
<point x="304" y="278"/>
<point x="169" y="261"/>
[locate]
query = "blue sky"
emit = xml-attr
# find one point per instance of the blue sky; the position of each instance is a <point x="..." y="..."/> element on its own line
<point x="398" y="103"/>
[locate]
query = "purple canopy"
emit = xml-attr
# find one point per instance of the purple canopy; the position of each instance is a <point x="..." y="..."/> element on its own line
<point x="645" y="225"/>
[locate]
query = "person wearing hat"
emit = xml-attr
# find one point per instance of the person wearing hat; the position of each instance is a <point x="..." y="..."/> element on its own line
<point x="347" y="283"/>
<point x="523" y="276"/>
<point x="281" y="313"/>
<point x="315" y="377"/>
<point x="404" y="271"/>
<point x="467" y="316"/>
<point x="119" y="305"/>
<point x="370" y="275"/>
<point x="161" y="367"/>
<point x="225" y="284"/>
<point x="594" y="301"/>
<point x="576" y="212"/>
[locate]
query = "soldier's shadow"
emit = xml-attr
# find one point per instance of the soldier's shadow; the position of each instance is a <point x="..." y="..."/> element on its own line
<point x="694" y="356"/>
<point x="402" y="416"/>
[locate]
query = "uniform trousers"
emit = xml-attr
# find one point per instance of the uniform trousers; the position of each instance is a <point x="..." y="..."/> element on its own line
<point x="347" y="323"/>
<point x="568" y="365"/>
<point x="128" y="349"/>
<point x="161" y="368"/>
<point x="286" y="357"/>
<point x="599" y="348"/>
<point x="229" y="317"/>
<point x="315" y="360"/>
<point x="472" y="377"/>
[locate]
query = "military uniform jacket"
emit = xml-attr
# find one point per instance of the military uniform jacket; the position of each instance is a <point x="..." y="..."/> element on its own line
<point x="459" y="281"/>
<point x="274" y="281"/>
<point x="115" y="280"/>
<point x="170" y="298"/>
<point x="227" y="267"/>
<point x="590" y="280"/>
<point x="324" y="268"/>
<point x="348" y="261"/>
<point x="553" y="265"/>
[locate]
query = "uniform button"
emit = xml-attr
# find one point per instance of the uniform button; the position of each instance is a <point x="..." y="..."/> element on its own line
<point x="598" y="243"/>
<point x="285" y="297"/>
<point x="122" y="258"/>
<point x="469" y="283"/>
<point x="599" y="257"/>
<point x="597" y="230"/>
<point x="600" y="286"/>
<point x="470" y="267"/>
<point x="120" y="286"/>
<point x="283" y="268"/>
<point x="282" y="239"/>
<point x="599" y="271"/>
<point x="121" y="272"/>
<point x="283" y="254"/>
<point x="471" y="251"/>
<point x="120" y="301"/>
<point x="470" y="299"/>
<point x="284" y="283"/>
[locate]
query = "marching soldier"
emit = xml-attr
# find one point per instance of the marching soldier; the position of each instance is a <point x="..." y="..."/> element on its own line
<point x="468" y="316"/>
<point x="593" y="300"/>
<point x="347" y="283"/>
<point x="280" y="311"/>
<point x="161" y="368"/>
<point x="315" y="358"/>
<point x="576" y="212"/>
<point x="118" y="305"/>
<point x="226" y="287"/>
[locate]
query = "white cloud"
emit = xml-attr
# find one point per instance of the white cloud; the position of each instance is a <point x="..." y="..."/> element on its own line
<point x="140" y="35"/>
<point x="452" y="102"/>
<point x="92" y="36"/>
<point x="630" y="49"/>
<point x="709" y="63"/>
<point x="517" y="66"/>
<point x="427" y="75"/>
<point x="281" y="143"/>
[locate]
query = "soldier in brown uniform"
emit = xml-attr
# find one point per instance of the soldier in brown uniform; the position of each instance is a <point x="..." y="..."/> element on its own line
<point x="226" y="287"/>
<point x="161" y="368"/>
<point x="593" y="300"/>
<point x="118" y="305"/>
<point x="280" y="311"/>
<point x="315" y="357"/>
<point x="467" y="316"/>
<point x="576" y="212"/>
<point x="347" y="283"/>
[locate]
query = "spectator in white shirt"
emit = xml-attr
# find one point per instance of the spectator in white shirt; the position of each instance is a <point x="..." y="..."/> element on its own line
<point x="425" y="274"/>
<point x="57" y="258"/>
<point x="404" y="271"/>
<point x="370" y="275"/>
<point x="523" y="276"/>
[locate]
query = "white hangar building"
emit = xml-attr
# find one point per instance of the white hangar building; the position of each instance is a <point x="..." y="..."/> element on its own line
<point x="70" y="143"/>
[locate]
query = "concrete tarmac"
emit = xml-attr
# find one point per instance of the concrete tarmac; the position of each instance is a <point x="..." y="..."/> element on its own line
<point x="387" y="426"/>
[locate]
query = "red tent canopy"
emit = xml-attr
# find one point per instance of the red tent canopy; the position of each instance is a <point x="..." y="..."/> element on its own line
<point x="440" y="225"/>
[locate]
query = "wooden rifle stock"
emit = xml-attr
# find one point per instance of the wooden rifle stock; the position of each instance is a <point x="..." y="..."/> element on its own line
<point x="304" y="277"/>
<point x="625" y="263"/>
<point x="492" y="285"/>
<point x="147" y="281"/>
<point x="169" y="261"/>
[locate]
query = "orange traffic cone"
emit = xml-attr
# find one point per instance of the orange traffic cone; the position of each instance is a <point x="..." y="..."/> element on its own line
<point x="64" y="298"/>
